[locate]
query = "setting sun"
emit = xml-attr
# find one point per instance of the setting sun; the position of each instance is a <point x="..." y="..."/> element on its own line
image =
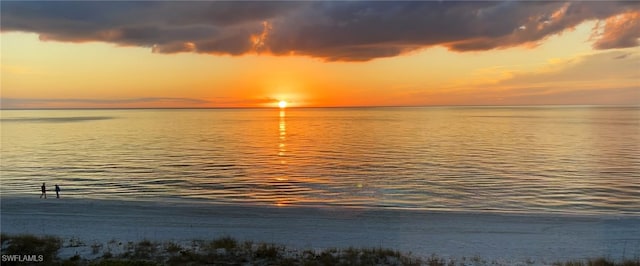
<point x="282" y="104"/>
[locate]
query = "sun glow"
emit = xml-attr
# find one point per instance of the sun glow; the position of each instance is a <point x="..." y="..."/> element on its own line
<point x="282" y="104"/>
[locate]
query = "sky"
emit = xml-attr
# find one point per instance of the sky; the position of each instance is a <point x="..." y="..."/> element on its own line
<point x="199" y="54"/>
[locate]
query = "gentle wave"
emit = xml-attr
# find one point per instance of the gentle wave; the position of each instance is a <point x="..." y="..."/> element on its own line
<point x="55" y="119"/>
<point x="541" y="159"/>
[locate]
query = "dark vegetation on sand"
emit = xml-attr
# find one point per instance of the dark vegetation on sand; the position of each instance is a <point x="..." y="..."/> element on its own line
<point x="228" y="251"/>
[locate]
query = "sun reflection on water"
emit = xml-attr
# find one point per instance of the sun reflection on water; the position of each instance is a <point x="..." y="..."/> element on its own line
<point x="282" y="200"/>
<point x="283" y="135"/>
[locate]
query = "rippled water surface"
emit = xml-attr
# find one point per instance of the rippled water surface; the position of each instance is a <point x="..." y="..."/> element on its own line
<point x="577" y="160"/>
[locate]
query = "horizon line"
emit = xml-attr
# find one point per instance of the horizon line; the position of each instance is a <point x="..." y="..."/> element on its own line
<point x="322" y="107"/>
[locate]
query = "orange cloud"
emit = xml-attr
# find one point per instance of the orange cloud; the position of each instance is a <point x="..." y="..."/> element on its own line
<point x="619" y="31"/>
<point x="258" y="40"/>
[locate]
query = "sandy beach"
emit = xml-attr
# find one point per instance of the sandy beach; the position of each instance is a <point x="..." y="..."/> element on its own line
<point x="500" y="237"/>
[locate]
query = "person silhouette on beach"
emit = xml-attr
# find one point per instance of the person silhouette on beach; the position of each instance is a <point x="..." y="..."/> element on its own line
<point x="44" y="191"/>
<point x="57" y="191"/>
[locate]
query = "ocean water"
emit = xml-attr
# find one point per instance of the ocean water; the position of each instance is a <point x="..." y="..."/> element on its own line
<point x="563" y="159"/>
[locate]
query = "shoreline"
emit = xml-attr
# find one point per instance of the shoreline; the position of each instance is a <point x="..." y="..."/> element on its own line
<point x="206" y="203"/>
<point x="515" y="237"/>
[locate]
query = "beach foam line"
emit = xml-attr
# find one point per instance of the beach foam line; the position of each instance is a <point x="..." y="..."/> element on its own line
<point x="449" y="234"/>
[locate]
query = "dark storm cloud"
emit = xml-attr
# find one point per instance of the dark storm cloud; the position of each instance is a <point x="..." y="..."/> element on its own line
<point x="335" y="30"/>
<point x="216" y="27"/>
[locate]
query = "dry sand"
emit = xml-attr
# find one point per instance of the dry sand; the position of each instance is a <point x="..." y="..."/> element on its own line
<point x="500" y="237"/>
